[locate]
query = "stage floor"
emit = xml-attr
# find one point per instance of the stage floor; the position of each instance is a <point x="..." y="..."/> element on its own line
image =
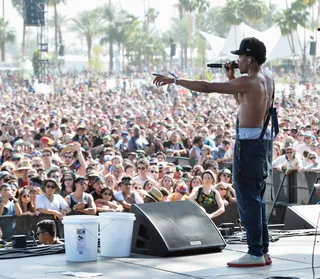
<point x="291" y="256"/>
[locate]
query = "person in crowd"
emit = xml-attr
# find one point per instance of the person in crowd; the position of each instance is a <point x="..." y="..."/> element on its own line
<point x="206" y="153"/>
<point x="224" y="152"/>
<point x="206" y="194"/>
<point x="51" y="202"/>
<point x="154" y="172"/>
<point x="47" y="232"/>
<point x="293" y="161"/>
<point x="118" y="172"/>
<point x="226" y="192"/>
<point x="67" y="183"/>
<point x="167" y="182"/>
<point x="22" y="173"/>
<point x="25" y="206"/>
<point x="108" y="202"/>
<point x="143" y="171"/>
<point x="98" y="185"/>
<point x="165" y="194"/>
<point x="225" y="176"/>
<point x="79" y="201"/>
<point x="306" y="145"/>
<point x="126" y="197"/>
<point x="153" y="195"/>
<point x="312" y="165"/>
<point x="195" y="151"/>
<point x="175" y="144"/>
<point x="195" y="182"/>
<point x="137" y="142"/>
<point x="180" y="192"/>
<point x="8" y="205"/>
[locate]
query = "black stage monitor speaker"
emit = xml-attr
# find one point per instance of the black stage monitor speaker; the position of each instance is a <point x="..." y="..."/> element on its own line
<point x="301" y="217"/>
<point x="174" y="228"/>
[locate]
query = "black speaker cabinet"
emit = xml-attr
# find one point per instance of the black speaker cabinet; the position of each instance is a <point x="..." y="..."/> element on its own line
<point x="174" y="228"/>
<point x="301" y="217"/>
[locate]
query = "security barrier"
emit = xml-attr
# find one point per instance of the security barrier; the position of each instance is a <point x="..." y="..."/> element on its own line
<point x="297" y="189"/>
<point x="13" y="225"/>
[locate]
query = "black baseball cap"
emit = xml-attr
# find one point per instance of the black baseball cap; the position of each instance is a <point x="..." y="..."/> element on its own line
<point x="252" y="47"/>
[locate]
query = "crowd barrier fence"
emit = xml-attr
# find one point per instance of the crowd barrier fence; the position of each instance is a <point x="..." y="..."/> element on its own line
<point x="297" y="189"/>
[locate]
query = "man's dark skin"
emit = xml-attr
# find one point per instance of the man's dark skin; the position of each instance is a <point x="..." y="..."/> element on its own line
<point x="253" y="92"/>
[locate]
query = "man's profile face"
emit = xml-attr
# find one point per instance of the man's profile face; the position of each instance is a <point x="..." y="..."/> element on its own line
<point x="243" y="64"/>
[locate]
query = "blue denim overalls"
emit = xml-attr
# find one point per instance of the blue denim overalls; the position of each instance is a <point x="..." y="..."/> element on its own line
<point x="252" y="164"/>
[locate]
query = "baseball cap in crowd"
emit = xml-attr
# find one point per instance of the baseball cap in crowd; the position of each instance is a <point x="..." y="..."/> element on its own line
<point x="126" y="180"/>
<point x="169" y="151"/>
<point x="36" y="153"/>
<point x="182" y="188"/>
<point x="252" y="47"/>
<point x="153" y="161"/>
<point x="124" y="133"/>
<point x="179" y="168"/>
<point x="46" y="140"/>
<point x="98" y="179"/>
<point x="308" y="134"/>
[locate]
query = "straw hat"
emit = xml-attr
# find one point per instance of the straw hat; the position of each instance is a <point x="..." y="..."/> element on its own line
<point x="155" y="194"/>
<point x="25" y="165"/>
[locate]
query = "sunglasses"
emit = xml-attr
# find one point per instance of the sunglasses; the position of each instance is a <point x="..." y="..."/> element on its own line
<point x="289" y="152"/>
<point x="141" y="168"/>
<point x="46" y="155"/>
<point x="34" y="184"/>
<point x="16" y="159"/>
<point x="137" y="188"/>
<point x="153" y="171"/>
<point x="169" y="172"/>
<point x="226" y="175"/>
<point x="223" y="189"/>
<point x="55" y="176"/>
<point x="25" y="196"/>
<point x="107" y="194"/>
<point x="36" y="166"/>
<point x="51" y="186"/>
<point x="313" y="158"/>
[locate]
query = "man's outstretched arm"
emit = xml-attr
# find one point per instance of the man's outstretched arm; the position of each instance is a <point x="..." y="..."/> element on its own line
<point x="241" y="84"/>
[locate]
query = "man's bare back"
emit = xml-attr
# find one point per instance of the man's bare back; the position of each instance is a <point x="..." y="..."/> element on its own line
<point x="254" y="104"/>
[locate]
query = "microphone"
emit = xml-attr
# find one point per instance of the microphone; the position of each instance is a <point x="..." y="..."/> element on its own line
<point x="220" y="65"/>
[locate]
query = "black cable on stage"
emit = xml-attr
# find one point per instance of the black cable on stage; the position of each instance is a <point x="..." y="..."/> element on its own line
<point x="12" y="253"/>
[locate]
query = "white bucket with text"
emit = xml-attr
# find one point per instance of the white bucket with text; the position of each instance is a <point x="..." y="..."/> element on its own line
<point x="81" y="237"/>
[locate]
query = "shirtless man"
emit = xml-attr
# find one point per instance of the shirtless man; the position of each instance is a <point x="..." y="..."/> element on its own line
<point x="253" y="146"/>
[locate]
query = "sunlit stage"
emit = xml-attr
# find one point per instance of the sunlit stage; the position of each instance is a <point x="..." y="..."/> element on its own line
<point x="292" y="256"/>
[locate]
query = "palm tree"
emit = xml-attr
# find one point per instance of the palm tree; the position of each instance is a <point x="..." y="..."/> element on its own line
<point x="55" y="3"/>
<point x="87" y="24"/>
<point x="62" y="21"/>
<point x="7" y="35"/>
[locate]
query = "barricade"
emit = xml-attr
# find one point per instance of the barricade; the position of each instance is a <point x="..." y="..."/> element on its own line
<point x="12" y="225"/>
<point x="297" y="189"/>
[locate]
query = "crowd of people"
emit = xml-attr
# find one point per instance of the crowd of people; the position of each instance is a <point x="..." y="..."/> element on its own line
<point x="86" y="148"/>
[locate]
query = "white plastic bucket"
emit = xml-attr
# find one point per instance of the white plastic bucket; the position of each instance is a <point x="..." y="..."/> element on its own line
<point x="116" y="234"/>
<point x="81" y="237"/>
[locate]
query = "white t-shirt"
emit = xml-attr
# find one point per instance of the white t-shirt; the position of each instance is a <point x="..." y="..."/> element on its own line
<point x="119" y="197"/>
<point x="137" y="179"/>
<point x="279" y="161"/>
<point x="57" y="203"/>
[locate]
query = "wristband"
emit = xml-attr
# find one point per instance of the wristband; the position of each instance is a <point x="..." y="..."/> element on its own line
<point x="174" y="78"/>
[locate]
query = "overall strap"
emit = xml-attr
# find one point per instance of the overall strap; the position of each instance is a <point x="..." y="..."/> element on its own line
<point x="271" y="113"/>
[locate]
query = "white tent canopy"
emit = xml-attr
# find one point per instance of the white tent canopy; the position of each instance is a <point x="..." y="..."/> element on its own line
<point x="216" y="43"/>
<point x="278" y="46"/>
